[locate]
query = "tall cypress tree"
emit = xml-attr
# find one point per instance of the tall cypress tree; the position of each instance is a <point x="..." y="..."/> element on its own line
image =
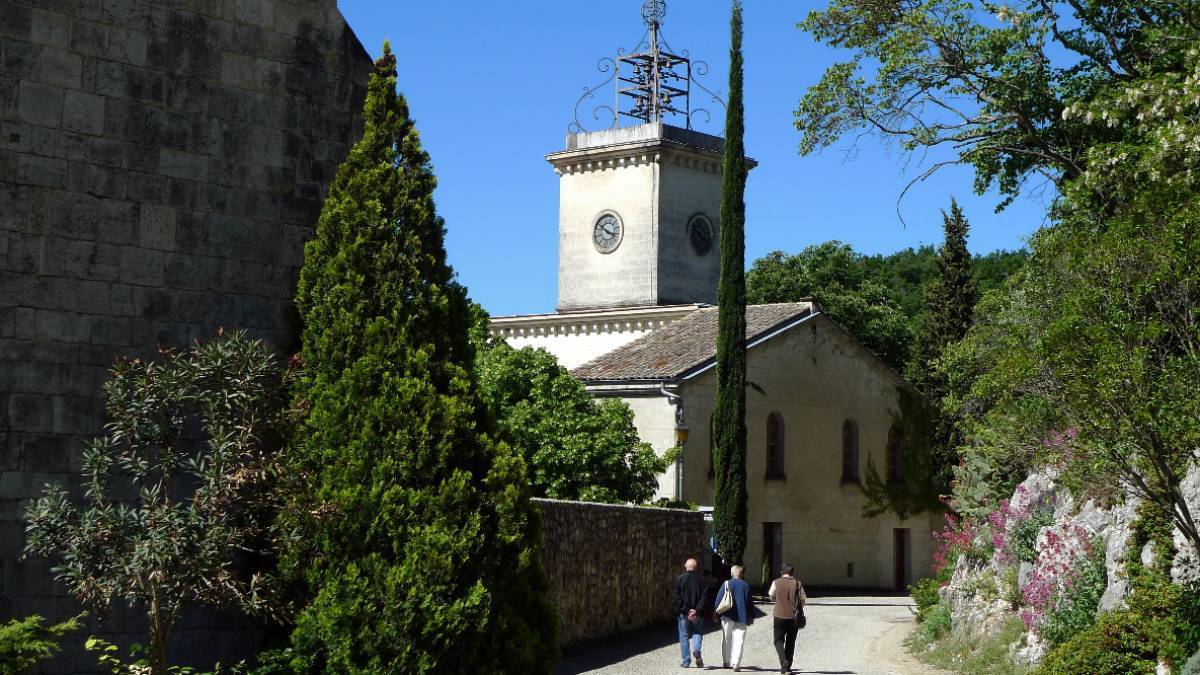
<point x="950" y="302"/>
<point x="729" y="512"/>
<point x="419" y="545"/>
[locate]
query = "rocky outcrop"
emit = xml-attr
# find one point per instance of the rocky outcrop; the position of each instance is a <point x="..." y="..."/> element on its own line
<point x="979" y="607"/>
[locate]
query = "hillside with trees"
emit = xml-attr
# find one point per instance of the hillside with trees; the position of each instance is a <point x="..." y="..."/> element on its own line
<point x="1071" y="537"/>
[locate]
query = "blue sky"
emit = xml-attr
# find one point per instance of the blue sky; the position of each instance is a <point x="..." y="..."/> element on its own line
<point x="493" y="85"/>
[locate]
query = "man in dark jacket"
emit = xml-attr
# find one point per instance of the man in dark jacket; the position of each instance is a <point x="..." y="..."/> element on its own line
<point x="789" y="599"/>
<point x="690" y="592"/>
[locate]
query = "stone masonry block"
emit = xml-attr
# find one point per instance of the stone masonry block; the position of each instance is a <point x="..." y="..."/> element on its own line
<point x="71" y="147"/>
<point x="43" y="171"/>
<point x="40" y="103"/>
<point x="47" y="453"/>
<point x="177" y="164"/>
<point x="128" y="46"/>
<point x="8" y="97"/>
<point x="15" y="20"/>
<point x="30" y="413"/>
<point x="83" y="112"/>
<point x="141" y="266"/>
<point x="157" y="227"/>
<point x="50" y="28"/>
<point x="58" y="67"/>
<point x="89" y="38"/>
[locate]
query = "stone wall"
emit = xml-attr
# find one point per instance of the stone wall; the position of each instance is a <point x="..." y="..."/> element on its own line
<point x="612" y="568"/>
<point x="161" y="165"/>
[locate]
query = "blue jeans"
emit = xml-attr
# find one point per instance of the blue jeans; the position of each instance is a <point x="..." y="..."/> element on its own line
<point x="689" y="631"/>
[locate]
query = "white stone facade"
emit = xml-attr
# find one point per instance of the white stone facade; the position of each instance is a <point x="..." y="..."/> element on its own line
<point x="578" y="337"/>
<point x="815" y="376"/>
<point x="655" y="178"/>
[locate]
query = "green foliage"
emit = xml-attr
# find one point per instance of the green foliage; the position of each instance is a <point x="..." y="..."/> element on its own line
<point x="835" y="276"/>
<point x="196" y="436"/>
<point x="729" y="415"/>
<point x="1021" y="537"/>
<point x="575" y="447"/>
<point x="1161" y="621"/>
<point x="925" y="594"/>
<point x="999" y="86"/>
<point x="415" y="535"/>
<point x="1117" y="644"/>
<point x="949" y="303"/>
<point x="25" y="643"/>
<point x="937" y="623"/>
<point x="920" y="490"/>
<point x="1075" y="607"/>
<point x="879" y="299"/>
<point x="972" y="652"/>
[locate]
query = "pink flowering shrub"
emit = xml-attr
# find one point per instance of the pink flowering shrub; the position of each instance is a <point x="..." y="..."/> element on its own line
<point x="1065" y="586"/>
<point x="1015" y="526"/>
<point x="958" y="537"/>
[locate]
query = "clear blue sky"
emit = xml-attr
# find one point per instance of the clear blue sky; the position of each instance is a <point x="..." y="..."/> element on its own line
<point x="492" y="86"/>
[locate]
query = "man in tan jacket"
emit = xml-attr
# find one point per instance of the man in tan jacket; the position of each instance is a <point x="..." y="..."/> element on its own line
<point x="789" y="597"/>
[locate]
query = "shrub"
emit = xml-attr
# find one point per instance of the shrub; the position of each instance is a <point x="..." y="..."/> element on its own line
<point x="26" y="642"/>
<point x="181" y="494"/>
<point x="972" y="652"/>
<point x="1077" y="599"/>
<point x="937" y="623"/>
<point x="1117" y="644"/>
<point x="925" y="594"/>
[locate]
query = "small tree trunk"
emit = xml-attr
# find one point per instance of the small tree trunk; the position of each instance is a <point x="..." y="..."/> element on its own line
<point x="159" y="629"/>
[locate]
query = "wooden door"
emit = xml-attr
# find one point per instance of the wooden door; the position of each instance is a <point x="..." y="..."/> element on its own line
<point x="901" y="557"/>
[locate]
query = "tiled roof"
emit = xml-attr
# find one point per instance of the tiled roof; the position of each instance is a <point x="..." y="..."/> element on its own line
<point x="682" y="346"/>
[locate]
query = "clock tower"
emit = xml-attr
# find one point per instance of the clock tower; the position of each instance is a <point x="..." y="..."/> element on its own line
<point x="639" y="206"/>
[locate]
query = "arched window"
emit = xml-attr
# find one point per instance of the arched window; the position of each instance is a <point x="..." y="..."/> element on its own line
<point x="895" y="455"/>
<point x="849" y="451"/>
<point x="775" y="445"/>
<point x="712" y="444"/>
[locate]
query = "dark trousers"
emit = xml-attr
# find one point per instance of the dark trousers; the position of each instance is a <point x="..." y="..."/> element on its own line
<point x="785" y="640"/>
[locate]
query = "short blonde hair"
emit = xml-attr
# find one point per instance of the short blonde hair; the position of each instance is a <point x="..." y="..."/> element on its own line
<point x="736" y="571"/>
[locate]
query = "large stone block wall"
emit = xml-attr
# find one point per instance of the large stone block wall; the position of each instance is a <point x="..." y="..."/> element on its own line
<point x="161" y="165"/>
<point x="612" y="568"/>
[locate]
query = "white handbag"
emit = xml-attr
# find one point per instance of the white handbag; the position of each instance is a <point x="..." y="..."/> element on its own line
<point x="726" y="603"/>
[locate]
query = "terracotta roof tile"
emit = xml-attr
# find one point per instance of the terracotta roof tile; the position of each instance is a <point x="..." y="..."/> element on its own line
<point x="683" y="345"/>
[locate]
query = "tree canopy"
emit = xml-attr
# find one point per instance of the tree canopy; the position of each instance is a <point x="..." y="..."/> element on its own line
<point x="416" y="538"/>
<point x="1007" y="89"/>
<point x="575" y="446"/>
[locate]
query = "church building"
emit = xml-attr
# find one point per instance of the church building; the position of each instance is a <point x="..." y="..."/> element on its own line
<point x="638" y="268"/>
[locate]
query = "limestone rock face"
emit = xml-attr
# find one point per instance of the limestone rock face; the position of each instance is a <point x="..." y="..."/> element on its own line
<point x="1187" y="560"/>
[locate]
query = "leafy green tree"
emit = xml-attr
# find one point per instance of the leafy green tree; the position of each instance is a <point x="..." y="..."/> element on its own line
<point x="576" y="447"/>
<point x="729" y="415"/>
<point x="835" y="276"/>
<point x="416" y="539"/>
<point x="197" y="436"/>
<point x="1000" y="86"/>
<point x="904" y="273"/>
<point x="25" y="643"/>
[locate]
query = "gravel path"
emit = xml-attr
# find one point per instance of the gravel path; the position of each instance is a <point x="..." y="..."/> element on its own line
<point x="845" y="634"/>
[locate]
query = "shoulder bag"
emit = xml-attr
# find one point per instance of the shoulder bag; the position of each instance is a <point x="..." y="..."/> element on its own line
<point x="726" y="603"/>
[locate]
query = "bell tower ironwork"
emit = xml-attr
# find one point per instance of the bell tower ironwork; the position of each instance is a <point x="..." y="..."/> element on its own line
<point x="653" y="83"/>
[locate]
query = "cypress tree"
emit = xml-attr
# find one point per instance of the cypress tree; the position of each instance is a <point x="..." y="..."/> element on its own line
<point x="950" y="303"/>
<point x="729" y="512"/>
<point x="419" y="545"/>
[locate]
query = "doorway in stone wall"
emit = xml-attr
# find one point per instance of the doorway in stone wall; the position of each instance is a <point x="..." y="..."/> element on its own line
<point x="902" y="556"/>
<point x="772" y="551"/>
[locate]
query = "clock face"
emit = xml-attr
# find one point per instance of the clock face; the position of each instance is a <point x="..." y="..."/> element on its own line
<point x="700" y="233"/>
<point x="607" y="233"/>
